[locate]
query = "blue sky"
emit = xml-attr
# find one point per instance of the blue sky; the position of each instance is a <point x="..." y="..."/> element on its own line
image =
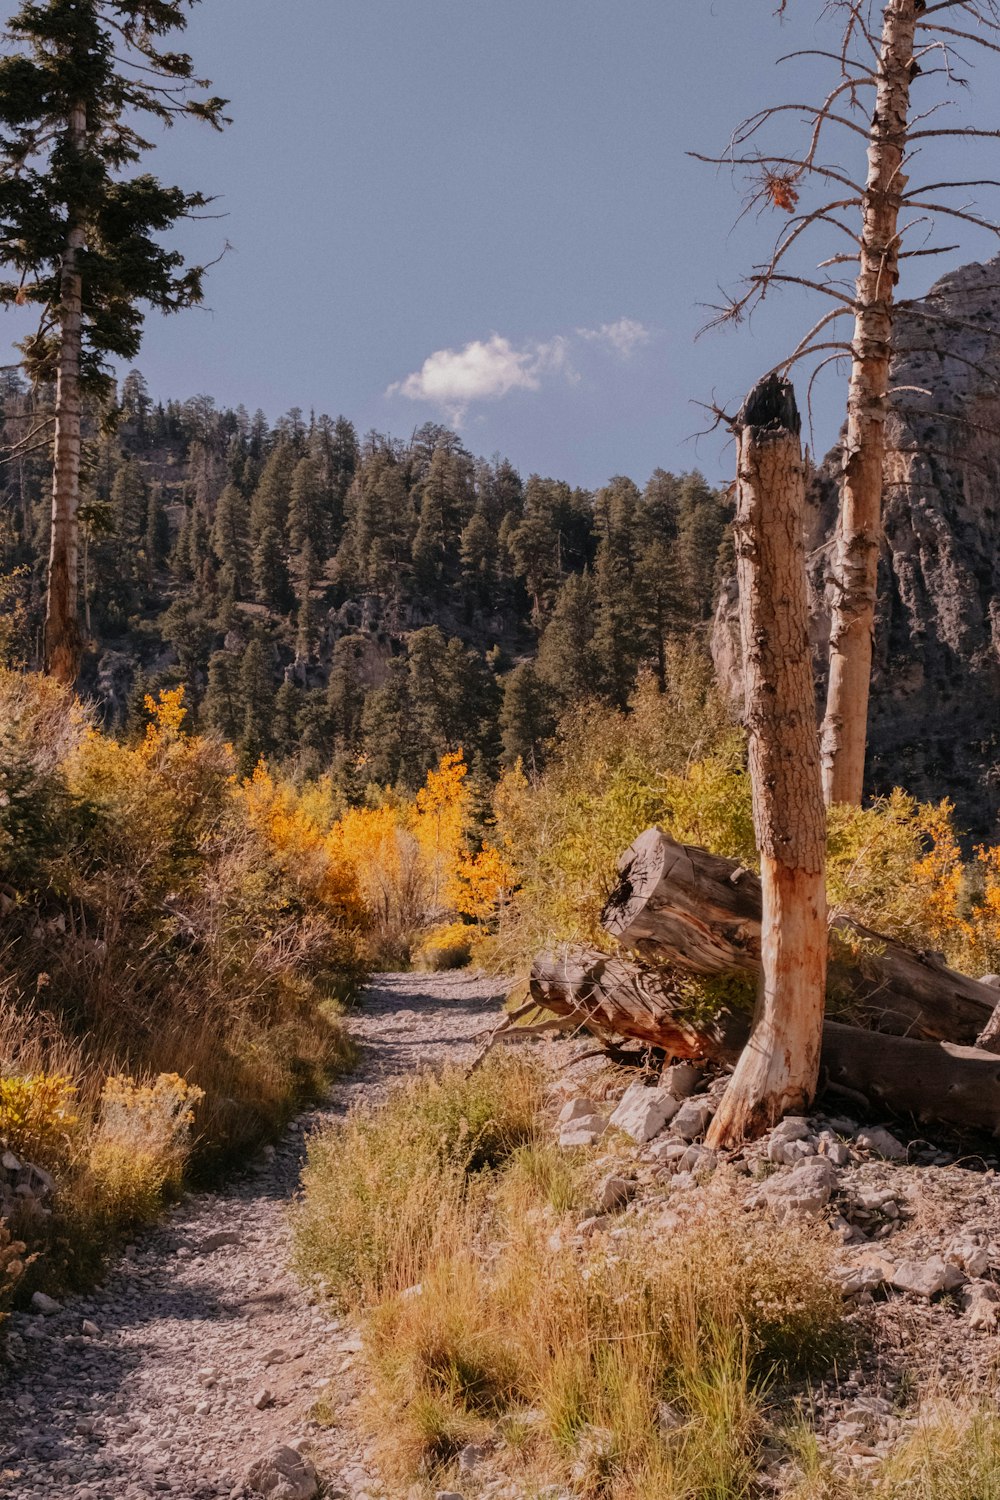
<point x="481" y="212"/>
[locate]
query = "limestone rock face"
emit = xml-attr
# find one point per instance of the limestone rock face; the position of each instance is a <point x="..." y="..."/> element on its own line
<point x="934" y="723"/>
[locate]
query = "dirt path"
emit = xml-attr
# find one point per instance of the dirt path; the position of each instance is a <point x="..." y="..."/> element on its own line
<point x="148" y="1387"/>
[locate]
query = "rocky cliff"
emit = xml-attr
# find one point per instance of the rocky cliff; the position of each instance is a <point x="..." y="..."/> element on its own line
<point x="934" y="725"/>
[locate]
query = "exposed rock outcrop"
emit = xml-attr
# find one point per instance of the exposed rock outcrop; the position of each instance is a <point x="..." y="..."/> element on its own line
<point x="934" y="725"/>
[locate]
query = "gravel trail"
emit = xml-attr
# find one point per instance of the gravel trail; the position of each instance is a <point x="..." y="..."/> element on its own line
<point x="147" y="1387"/>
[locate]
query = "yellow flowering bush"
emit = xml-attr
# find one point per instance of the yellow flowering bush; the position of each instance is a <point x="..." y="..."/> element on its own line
<point x="141" y="1143"/>
<point x="447" y="946"/>
<point x="38" y="1116"/>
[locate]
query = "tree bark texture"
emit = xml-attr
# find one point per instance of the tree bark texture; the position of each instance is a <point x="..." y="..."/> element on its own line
<point x="63" y="641"/>
<point x="614" y="999"/>
<point x="699" y="913"/>
<point x="860" y="523"/>
<point x="777" y="1071"/>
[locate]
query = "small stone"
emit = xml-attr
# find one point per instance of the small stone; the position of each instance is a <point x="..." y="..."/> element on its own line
<point x="218" y="1240"/>
<point x="834" y="1150"/>
<point x="614" y="1192"/>
<point x="693" y="1117"/>
<point x="642" y="1112"/>
<point x="586" y="1131"/>
<point x="981" y="1305"/>
<point x="667" y="1153"/>
<point x="264" y="1398"/>
<point x="90" y="1329"/>
<point x="469" y="1458"/>
<point x="804" y="1190"/>
<point x="283" y="1474"/>
<point x="882" y="1142"/>
<point x="698" y="1159"/>
<point x="681" y="1080"/>
<point x="668" y="1418"/>
<point x="280" y="1356"/>
<point x="45" y="1305"/>
<point x="925" y="1278"/>
<point x="448" y="1495"/>
<point x="577" y="1109"/>
<point x="9" y="1162"/>
<point x="592" y="1225"/>
<point x="791" y="1128"/>
<point x="974" y="1259"/>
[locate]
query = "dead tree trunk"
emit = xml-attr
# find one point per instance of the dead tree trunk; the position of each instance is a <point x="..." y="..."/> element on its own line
<point x="678" y="905"/>
<point x="614" y="1000"/>
<point x="859" y="527"/>
<point x="778" y="1069"/>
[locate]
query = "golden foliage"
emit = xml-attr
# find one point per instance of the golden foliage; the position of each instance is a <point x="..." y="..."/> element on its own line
<point x="38" y="1116"/>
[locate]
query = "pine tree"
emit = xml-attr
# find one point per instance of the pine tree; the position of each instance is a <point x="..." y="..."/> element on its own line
<point x="80" y="235"/>
<point x="270" y="571"/>
<point x="567" y="661"/>
<point x="156" y="540"/>
<point x="285" y="728"/>
<point x="526" y="719"/>
<point x="231" y="541"/>
<point x="269" y="505"/>
<point x="308" y="510"/>
<point x="257" y="699"/>
<point x="222" y="707"/>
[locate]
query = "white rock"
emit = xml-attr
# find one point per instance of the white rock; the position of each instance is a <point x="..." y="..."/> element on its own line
<point x="642" y="1112"/>
<point x="974" y="1259"/>
<point x="697" y="1159"/>
<point x="216" y="1241"/>
<point x="263" y="1398"/>
<point x="283" y="1474"/>
<point x="693" y="1117"/>
<point x="614" y="1192"/>
<point x="583" y="1132"/>
<point x="9" y="1162"/>
<point x="926" y="1278"/>
<point x="993" y="980"/>
<point x="882" y="1142"/>
<point x="804" y="1190"/>
<point x="681" y="1080"/>
<point x="791" y="1128"/>
<point x="835" y="1150"/>
<point x="577" y="1109"/>
<point x="981" y="1304"/>
<point x="90" y="1329"/>
<point x="45" y="1305"/>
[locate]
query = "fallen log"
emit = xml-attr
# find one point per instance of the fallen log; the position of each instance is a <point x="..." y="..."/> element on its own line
<point x="928" y="1080"/>
<point x="679" y="905"/>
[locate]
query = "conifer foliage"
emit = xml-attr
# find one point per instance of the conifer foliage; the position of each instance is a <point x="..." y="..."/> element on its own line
<point x="79" y="230"/>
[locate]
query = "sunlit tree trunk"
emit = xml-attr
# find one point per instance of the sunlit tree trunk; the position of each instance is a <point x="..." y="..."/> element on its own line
<point x="860" y="524"/>
<point x="63" y="642"/>
<point x="778" y="1069"/>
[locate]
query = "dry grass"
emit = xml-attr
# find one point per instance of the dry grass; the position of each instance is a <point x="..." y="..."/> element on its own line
<point x="582" y="1349"/>
<point x="394" y="1185"/>
<point x="951" y="1453"/>
<point x="433" y="1217"/>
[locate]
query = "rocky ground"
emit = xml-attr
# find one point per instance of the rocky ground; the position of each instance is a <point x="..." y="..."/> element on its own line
<point x="916" y="1225"/>
<point x="202" y="1352"/>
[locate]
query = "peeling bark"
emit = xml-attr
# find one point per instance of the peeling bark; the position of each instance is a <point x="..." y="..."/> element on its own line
<point x="777" y="1071"/>
<point x="859" y="531"/>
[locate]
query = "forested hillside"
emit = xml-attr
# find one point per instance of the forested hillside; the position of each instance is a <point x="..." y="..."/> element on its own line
<point x="359" y="604"/>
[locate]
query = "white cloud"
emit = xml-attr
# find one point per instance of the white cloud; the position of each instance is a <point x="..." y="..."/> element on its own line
<point x="623" y="336"/>
<point x="489" y="369"/>
<point x="484" y="370"/>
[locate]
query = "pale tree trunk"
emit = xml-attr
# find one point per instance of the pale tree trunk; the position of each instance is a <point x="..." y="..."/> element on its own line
<point x="63" y="644"/>
<point x="860" y="525"/>
<point x="779" y="1067"/>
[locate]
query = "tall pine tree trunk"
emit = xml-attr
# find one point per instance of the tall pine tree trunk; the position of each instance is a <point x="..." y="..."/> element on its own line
<point x="779" y="1067"/>
<point x="63" y="643"/>
<point x="859" y="529"/>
